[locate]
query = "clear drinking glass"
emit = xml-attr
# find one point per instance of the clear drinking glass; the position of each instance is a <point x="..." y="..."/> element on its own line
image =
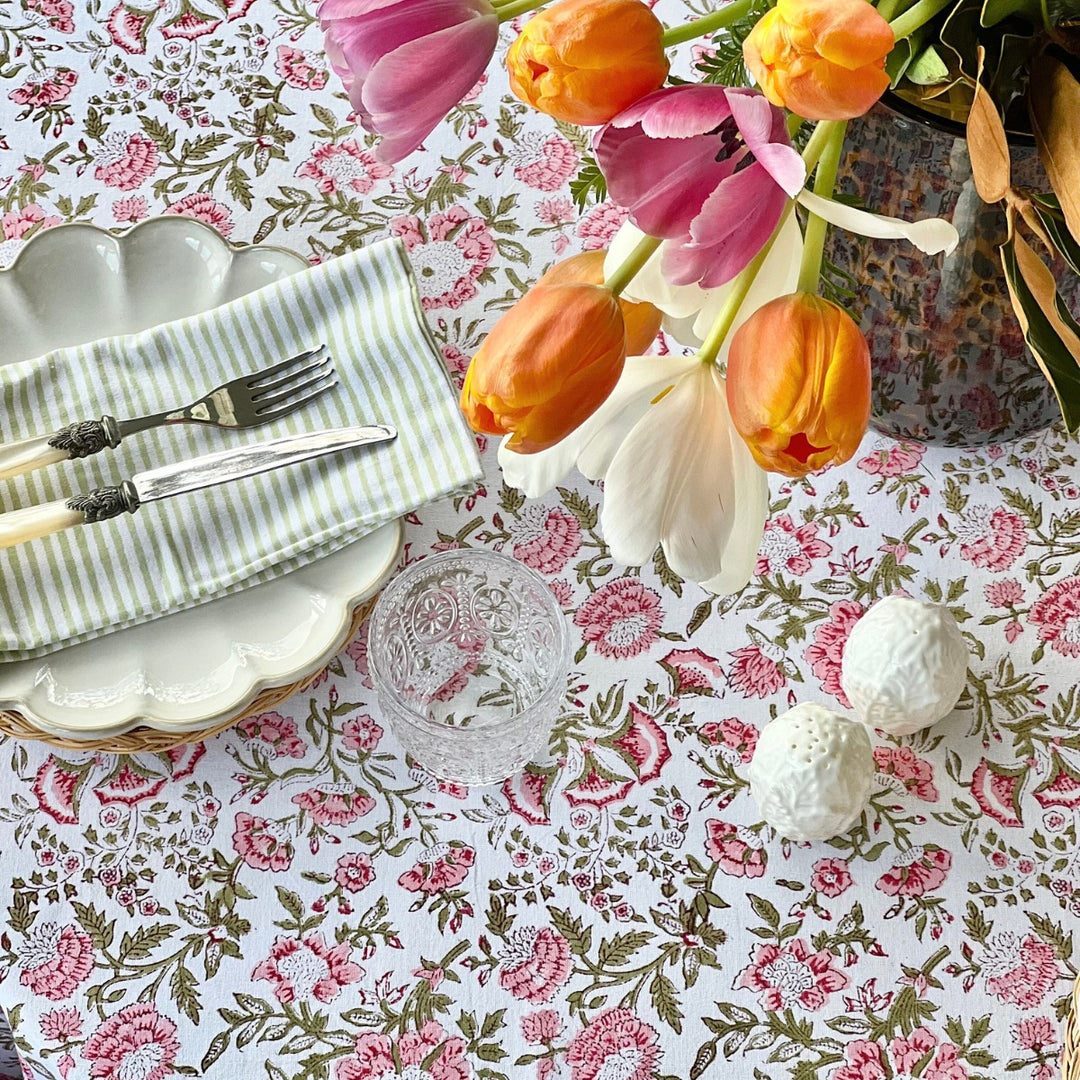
<point x="469" y="653"/>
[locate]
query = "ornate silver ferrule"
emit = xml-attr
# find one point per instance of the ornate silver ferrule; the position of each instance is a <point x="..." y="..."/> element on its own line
<point x="87" y="437"/>
<point x="106" y="502"/>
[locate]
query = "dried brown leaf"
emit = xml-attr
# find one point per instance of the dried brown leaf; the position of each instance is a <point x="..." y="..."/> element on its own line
<point x="988" y="146"/>
<point x="1040" y="281"/>
<point x="1054" y="102"/>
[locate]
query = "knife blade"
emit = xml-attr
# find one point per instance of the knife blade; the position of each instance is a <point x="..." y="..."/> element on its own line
<point x="223" y="467"/>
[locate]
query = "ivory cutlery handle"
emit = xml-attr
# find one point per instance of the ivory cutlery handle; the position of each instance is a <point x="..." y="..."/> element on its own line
<point x="18" y="526"/>
<point x="73" y="441"/>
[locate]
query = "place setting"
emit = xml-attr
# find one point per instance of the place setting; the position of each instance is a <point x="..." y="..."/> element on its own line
<point x="538" y="539"/>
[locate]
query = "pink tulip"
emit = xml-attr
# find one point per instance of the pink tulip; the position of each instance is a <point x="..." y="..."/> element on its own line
<point x="706" y="167"/>
<point x="406" y="63"/>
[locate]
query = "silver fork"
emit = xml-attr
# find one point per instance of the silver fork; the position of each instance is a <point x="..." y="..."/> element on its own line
<point x="243" y="402"/>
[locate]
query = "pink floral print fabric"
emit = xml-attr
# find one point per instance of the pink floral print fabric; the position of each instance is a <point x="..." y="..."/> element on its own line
<point x="296" y="898"/>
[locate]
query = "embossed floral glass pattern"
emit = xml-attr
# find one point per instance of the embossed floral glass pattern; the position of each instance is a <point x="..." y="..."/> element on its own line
<point x="469" y="653"/>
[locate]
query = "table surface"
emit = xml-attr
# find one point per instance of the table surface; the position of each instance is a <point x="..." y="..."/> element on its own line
<point x="292" y="900"/>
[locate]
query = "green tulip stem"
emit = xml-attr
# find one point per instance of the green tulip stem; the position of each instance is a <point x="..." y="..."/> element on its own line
<point x="632" y="264"/>
<point x="511" y="9"/>
<point x="887" y="9"/>
<point x="910" y="21"/>
<point x="817" y="142"/>
<point x="716" y="20"/>
<point x="824" y="183"/>
<point x="740" y="288"/>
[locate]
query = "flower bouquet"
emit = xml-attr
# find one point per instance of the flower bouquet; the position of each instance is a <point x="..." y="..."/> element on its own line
<point x="729" y="184"/>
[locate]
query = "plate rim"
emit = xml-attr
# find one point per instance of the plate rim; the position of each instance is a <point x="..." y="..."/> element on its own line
<point x="258" y="686"/>
<point x="155" y="221"/>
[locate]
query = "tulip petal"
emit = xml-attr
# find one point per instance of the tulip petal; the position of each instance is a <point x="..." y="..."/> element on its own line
<point x="734" y="223"/>
<point x="778" y="276"/>
<point x="850" y="33"/>
<point x="403" y="99"/>
<point x="649" y="282"/>
<point x="661" y="182"/>
<point x="932" y="235"/>
<point x="694" y="110"/>
<point x="751" y="509"/>
<point x="758" y="122"/>
<point x="673" y="482"/>
<point x="643" y="377"/>
<point x="691" y="310"/>
<point x="536" y="474"/>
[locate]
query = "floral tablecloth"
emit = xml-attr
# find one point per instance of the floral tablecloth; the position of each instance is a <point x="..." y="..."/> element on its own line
<point x="292" y="899"/>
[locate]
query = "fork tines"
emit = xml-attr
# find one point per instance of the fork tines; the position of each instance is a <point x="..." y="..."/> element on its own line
<point x="292" y="383"/>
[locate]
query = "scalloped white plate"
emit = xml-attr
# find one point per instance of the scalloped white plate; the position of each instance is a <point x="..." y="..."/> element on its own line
<point x="74" y="283"/>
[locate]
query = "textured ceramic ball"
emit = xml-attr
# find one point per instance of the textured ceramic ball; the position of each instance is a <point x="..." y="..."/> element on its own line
<point x="811" y="773"/>
<point x="904" y="665"/>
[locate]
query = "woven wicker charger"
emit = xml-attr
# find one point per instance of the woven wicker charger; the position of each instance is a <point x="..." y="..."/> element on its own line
<point x="151" y="740"/>
<point x="1070" y="1048"/>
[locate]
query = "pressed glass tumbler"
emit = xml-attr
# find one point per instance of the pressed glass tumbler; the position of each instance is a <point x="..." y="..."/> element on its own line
<point x="469" y="653"/>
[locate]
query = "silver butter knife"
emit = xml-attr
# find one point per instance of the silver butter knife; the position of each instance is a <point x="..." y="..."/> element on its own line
<point x="18" y="526"/>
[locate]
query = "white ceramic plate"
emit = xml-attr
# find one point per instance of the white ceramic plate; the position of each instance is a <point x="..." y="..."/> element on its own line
<point x="75" y="283"/>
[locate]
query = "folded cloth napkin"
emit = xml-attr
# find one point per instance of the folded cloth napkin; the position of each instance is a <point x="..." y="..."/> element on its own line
<point x="192" y="548"/>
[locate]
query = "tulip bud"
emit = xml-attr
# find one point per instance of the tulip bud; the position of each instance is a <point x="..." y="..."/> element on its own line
<point x="822" y="59"/>
<point x="584" y="61"/>
<point x="642" y="320"/>
<point x="798" y="384"/>
<point x="547" y="365"/>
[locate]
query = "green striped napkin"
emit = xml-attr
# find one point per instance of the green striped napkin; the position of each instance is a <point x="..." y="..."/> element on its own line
<point x="189" y="549"/>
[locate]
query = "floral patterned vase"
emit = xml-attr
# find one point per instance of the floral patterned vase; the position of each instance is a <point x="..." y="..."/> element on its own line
<point x="949" y="360"/>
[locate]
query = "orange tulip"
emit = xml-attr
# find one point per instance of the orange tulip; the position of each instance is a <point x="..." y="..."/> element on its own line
<point x="798" y="384"/>
<point x="584" y="61"/>
<point x="822" y="59"/>
<point x="642" y="320"/>
<point x="548" y="364"/>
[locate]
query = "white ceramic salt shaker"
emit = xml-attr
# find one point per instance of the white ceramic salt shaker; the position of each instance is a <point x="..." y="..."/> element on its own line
<point x="904" y="665"/>
<point x="811" y="772"/>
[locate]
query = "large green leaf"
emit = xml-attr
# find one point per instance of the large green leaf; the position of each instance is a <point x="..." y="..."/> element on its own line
<point x="928" y="69"/>
<point x="1053" y="221"/>
<point x="994" y="11"/>
<point x="1058" y="364"/>
<point x="1056" y="12"/>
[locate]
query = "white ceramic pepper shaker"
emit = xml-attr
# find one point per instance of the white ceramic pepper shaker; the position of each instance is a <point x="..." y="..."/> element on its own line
<point x="811" y="772"/>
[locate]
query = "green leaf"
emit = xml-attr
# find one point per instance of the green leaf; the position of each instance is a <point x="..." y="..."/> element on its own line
<point x="467" y="1025"/>
<point x="141" y="944"/>
<point x="1057" y="363"/>
<point x="927" y="69"/>
<point x="1053" y="934"/>
<point x="585" y="511"/>
<point x="20" y="915"/>
<point x="705" y="1056"/>
<point x="492" y="1024"/>
<point x="1053" y="221"/>
<point x="184" y="988"/>
<point x="93" y="922"/>
<point x="576" y="933"/>
<point x="666" y="1002"/>
<point x="290" y="902"/>
<point x="324" y="116"/>
<point x="589" y="185"/>
<point x="236" y="183"/>
<point x="218" y="1045"/>
<point x="616" y="951"/>
<point x="765" y="910"/>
